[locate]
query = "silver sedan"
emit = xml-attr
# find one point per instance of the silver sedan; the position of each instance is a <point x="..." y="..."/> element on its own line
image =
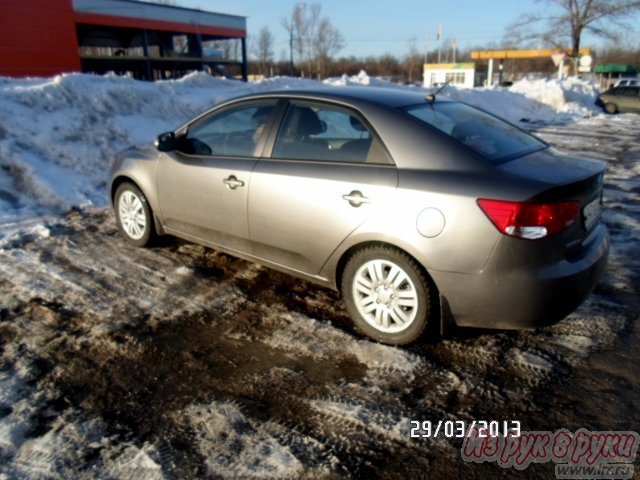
<point x="418" y="209"/>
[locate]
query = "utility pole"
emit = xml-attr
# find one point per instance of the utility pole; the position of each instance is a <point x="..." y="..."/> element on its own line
<point x="438" y="36"/>
<point x="426" y="60"/>
<point x="454" y="46"/>
<point x="291" y="53"/>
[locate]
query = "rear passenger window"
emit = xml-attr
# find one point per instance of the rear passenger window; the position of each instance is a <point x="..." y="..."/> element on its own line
<point x="327" y="133"/>
<point x="627" y="91"/>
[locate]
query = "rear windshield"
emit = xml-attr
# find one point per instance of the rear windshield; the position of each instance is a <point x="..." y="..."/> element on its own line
<point x="494" y="139"/>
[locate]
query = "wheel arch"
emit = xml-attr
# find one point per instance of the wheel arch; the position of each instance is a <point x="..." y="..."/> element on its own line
<point x="119" y="180"/>
<point x="337" y="270"/>
<point x="439" y="316"/>
<point x="347" y="254"/>
<point x="116" y="183"/>
<point x="437" y="299"/>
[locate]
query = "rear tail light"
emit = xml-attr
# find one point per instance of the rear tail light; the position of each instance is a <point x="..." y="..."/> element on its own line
<point x="530" y="220"/>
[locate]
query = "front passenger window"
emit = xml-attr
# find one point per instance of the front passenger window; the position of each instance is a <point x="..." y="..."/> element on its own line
<point x="231" y="133"/>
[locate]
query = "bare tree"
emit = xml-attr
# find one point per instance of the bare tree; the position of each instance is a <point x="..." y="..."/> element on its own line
<point x="298" y="28"/>
<point x="313" y="38"/>
<point x="262" y="48"/>
<point x="329" y="41"/>
<point x="625" y="53"/>
<point x="571" y="18"/>
<point x="412" y="62"/>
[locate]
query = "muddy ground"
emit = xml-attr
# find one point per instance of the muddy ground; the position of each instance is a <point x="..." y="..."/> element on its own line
<point x="182" y="362"/>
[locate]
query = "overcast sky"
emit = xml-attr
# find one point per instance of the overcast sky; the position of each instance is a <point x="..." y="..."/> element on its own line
<point x="375" y="28"/>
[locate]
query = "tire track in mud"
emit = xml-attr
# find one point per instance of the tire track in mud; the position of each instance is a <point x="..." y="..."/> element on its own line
<point x="182" y="362"/>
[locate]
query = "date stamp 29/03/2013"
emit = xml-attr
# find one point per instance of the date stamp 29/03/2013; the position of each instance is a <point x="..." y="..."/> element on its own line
<point x="461" y="428"/>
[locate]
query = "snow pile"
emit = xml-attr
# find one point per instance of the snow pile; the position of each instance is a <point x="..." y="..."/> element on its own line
<point x="361" y="79"/>
<point x="514" y="107"/>
<point x="572" y="95"/>
<point x="58" y="135"/>
<point x="546" y="101"/>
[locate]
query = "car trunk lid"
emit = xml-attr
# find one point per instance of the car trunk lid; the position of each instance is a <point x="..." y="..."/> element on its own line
<point x="567" y="178"/>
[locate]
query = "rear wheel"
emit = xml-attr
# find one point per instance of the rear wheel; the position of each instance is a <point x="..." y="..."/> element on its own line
<point x="133" y="215"/>
<point x="610" y="107"/>
<point x="387" y="294"/>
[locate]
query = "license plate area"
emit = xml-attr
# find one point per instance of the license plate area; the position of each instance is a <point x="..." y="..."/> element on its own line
<point x="591" y="213"/>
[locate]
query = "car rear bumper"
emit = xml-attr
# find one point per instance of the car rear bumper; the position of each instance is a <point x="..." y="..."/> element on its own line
<point x="522" y="297"/>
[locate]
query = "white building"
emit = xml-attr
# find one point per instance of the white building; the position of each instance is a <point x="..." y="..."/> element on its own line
<point x="460" y="74"/>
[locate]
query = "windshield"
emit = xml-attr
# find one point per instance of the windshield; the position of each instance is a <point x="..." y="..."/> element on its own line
<point x="494" y="139"/>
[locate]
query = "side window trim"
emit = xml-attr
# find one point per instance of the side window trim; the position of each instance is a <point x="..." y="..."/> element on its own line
<point x="269" y="139"/>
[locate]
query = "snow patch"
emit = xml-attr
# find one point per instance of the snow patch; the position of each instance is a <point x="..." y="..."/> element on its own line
<point x="234" y="447"/>
<point x="134" y="463"/>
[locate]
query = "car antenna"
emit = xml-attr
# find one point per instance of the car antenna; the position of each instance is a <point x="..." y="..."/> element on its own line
<point x="432" y="96"/>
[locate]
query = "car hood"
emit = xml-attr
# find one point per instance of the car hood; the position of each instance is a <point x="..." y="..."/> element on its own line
<point x="552" y="167"/>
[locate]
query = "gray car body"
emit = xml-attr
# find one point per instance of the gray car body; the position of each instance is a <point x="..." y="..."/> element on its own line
<point x="290" y="215"/>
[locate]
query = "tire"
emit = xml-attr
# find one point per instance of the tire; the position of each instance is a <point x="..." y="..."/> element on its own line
<point x="387" y="294"/>
<point x="133" y="215"/>
<point x="610" y="107"/>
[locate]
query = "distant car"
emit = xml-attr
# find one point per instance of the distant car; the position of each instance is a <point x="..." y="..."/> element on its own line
<point x="624" y="99"/>
<point x="418" y="209"/>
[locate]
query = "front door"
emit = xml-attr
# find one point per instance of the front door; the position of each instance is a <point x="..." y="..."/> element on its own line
<point x="203" y="186"/>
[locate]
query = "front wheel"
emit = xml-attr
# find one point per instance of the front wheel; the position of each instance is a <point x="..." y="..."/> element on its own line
<point x="610" y="107"/>
<point x="133" y="215"/>
<point x="387" y="294"/>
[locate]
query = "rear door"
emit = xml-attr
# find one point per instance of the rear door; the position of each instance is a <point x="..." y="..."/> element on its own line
<point x="328" y="173"/>
<point x="632" y="99"/>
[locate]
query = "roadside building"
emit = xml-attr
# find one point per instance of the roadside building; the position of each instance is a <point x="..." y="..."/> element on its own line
<point x="559" y="57"/>
<point x="145" y="40"/>
<point x="458" y="74"/>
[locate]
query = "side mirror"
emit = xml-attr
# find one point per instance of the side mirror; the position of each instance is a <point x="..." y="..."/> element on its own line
<point x="166" y="142"/>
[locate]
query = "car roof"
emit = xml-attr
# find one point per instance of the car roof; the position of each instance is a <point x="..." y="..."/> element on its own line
<point x="389" y="97"/>
<point x="627" y="87"/>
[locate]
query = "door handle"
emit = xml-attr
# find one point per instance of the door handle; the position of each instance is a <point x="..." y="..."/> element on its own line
<point x="355" y="198"/>
<point x="232" y="182"/>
